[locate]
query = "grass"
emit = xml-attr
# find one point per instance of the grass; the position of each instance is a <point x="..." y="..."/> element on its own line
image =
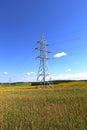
<point x="63" y="107"/>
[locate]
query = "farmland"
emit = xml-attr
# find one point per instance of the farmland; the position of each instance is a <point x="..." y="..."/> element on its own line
<point x="63" y="107"/>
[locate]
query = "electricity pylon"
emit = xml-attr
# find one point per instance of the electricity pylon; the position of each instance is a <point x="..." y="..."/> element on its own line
<point x="43" y="74"/>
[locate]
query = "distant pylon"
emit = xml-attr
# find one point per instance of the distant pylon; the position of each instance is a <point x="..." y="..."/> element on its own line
<point x="43" y="74"/>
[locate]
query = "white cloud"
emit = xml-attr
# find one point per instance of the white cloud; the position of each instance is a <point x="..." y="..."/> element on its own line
<point x="68" y="70"/>
<point x="29" y="77"/>
<point x="58" y="55"/>
<point x="5" y="73"/>
<point x="31" y="73"/>
<point x="75" y="76"/>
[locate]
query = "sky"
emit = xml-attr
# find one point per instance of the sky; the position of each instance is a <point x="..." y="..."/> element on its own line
<point x="22" y="23"/>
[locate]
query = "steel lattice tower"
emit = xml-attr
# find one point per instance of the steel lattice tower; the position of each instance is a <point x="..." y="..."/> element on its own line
<point x="43" y="74"/>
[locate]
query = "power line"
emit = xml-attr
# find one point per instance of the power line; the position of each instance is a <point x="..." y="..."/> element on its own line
<point x="75" y="37"/>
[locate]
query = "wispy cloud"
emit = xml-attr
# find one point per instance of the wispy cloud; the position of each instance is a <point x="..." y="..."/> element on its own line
<point x="33" y="77"/>
<point x="61" y="54"/>
<point x="75" y="76"/>
<point x="27" y="77"/>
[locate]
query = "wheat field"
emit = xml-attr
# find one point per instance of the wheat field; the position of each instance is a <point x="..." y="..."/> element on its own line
<point x="63" y="107"/>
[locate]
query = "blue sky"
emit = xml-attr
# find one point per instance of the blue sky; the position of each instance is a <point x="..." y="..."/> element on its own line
<point x="64" y="23"/>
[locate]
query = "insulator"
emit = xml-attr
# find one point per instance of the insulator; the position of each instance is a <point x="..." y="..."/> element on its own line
<point x="36" y="48"/>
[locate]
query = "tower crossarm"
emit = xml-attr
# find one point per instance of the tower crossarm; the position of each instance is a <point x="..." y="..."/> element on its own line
<point x="42" y="57"/>
<point x="43" y="50"/>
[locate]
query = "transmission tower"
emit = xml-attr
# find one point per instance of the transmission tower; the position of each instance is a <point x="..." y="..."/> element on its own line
<point x="43" y="74"/>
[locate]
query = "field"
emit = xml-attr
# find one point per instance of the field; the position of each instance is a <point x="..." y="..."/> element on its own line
<point x="63" y="107"/>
